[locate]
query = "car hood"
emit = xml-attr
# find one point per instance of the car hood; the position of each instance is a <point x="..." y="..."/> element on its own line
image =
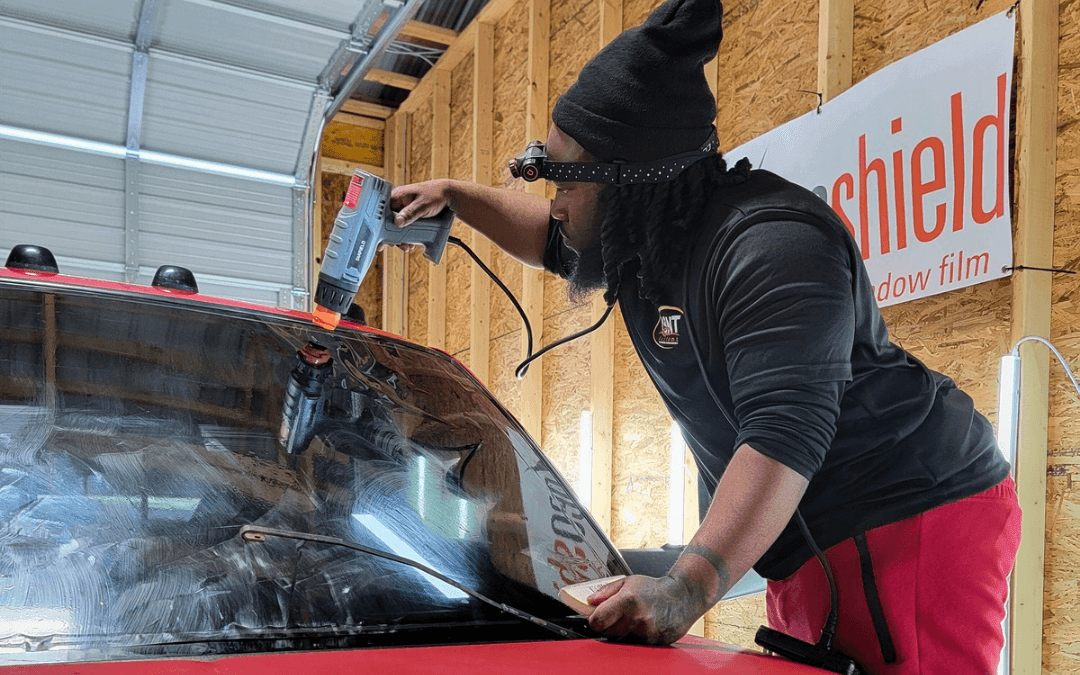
<point x="688" y="656"/>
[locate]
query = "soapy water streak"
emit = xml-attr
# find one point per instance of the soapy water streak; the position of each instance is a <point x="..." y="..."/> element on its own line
<point x="120" y="530"/>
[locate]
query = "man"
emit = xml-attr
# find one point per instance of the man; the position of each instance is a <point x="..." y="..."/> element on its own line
<point x="749" y="306"/>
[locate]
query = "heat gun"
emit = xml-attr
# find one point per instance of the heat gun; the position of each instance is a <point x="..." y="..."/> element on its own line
<point x="364" y="222"/>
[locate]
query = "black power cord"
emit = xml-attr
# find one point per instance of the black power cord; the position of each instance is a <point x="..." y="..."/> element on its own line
<point x="821" y="654"/>
<point x="828" y="632"/>
<point x="523" y="367"/>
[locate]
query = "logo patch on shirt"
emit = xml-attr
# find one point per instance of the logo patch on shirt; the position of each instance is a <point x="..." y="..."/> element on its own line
<point x="666" y="333"/>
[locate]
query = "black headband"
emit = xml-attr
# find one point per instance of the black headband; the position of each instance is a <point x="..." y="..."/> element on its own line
<point x="533" y="165"/>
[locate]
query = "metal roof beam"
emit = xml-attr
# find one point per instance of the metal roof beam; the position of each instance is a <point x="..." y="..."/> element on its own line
<point x="139" y="62"/>
<point x="355" y="47"/>
<point x="401" y="13"/>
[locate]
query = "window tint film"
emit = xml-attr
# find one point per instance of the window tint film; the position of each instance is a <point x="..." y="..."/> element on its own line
<point x="138" y="436"/>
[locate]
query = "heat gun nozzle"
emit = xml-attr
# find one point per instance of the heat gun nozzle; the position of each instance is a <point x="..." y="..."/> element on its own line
<point x="325" y="318"/>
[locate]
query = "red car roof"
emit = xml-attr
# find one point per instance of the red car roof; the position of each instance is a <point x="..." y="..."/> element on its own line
<point x="138" y="289"/>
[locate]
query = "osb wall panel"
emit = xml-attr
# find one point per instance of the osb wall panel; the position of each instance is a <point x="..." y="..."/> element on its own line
<point x="510" y="73"/>
<point x="888" y="31"/>
<point x="504" y="318"/>
<point x="370" y="294"/>
<point x="510" y="91"/>
<point x="566" y="391"/>
<point x="418" y="137"/>
<point x="635" y="11"/>
<point x="457" y="262"/>
<point x="768" y="54"/>
<point x="574" y="39"/>
<point x="1065" y="319"/>
<point x="564" y="13"/>
<point x="506" y="329"/>
<point x="557" y="297"/>
<point x="416" y="269"/>
<point x="642" y="440"/>
<point x="458" y="294"/>
<point x="461" y="119"/>
<point x="505" y="356"/>
<point x="1061" y="628"/>
<point x="1061" y="632"/>
<point x="416" y="265"/>
<point x="508" y="140"/>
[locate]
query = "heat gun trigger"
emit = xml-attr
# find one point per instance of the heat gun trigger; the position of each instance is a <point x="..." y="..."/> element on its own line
<point x="431" y="233"/>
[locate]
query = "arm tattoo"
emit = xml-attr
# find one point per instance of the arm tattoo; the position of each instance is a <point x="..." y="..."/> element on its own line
<point x="710" y="556"/>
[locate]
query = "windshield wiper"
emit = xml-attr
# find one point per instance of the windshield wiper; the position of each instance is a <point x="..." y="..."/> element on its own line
<point x="255" y="533"/>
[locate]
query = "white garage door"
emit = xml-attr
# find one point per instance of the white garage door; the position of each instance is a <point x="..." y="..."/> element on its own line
<point x="138" y="133"/>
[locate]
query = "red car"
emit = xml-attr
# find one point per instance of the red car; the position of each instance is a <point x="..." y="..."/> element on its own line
<point x="190" y="484"/>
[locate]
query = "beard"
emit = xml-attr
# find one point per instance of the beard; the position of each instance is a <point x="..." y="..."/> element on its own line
<point x="587" y="275"/>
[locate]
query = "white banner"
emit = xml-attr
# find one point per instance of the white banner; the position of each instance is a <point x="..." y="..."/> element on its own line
<point x="914" y="160"/>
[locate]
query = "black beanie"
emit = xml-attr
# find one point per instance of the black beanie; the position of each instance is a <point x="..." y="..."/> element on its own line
<point x="644" y="96"/>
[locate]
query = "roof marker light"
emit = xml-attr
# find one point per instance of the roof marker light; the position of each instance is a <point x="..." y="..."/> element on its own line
<point x="32" y="258"/>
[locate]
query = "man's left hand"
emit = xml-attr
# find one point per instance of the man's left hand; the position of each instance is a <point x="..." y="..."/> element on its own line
<point x="658" y="609"/>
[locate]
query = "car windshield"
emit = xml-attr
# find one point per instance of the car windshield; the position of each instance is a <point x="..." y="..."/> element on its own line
<point x="138" y="435"/>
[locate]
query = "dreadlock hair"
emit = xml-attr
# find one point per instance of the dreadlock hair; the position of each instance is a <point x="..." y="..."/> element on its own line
<point x="655" y="223"/>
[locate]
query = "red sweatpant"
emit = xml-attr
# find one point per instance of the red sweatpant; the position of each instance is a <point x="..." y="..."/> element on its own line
<point x="942" y="580"/>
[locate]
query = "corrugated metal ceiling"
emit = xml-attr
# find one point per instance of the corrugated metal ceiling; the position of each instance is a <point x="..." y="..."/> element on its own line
<point x="165" y="94"/>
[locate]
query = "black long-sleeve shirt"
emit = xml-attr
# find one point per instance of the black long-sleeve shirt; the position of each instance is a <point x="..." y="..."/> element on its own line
<point x="778" y="305"/>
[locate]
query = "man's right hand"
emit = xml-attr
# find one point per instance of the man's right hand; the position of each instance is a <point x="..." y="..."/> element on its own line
<point x="419" y="200"/>
<point x="517" y="222"/>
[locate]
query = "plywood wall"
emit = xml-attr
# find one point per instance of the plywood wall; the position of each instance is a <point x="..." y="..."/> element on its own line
<point x="508" y="139"/>
<point x="418" y="168"/>
<point x="458" y="264"/>
<point x="1061" y="628"/>
<point x="767" y="71"/>
<point x="767" y="63"/>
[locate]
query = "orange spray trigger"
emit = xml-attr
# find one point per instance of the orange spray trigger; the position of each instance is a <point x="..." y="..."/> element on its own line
<point x="325" y="318"/>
